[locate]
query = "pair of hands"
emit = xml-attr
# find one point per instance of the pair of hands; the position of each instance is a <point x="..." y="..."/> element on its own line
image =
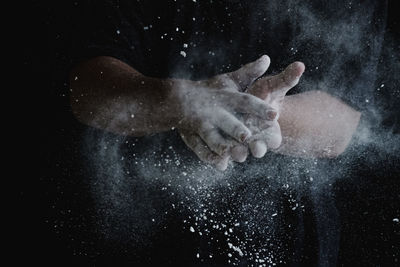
<point x="226" y="116"/>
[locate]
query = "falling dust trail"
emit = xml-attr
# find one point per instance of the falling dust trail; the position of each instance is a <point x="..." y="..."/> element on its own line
<point x="138" y="183"/>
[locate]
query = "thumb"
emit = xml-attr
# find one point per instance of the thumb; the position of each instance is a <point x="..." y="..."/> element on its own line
<point x="250" y="72"/>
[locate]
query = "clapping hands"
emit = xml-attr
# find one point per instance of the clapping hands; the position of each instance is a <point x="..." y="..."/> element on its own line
<point x="232" y="113"/>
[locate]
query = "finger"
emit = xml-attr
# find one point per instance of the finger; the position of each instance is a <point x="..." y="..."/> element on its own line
<point x="258" y="148"/>
<point x="287" y="79"/>
<point x="247" y="74"/>
<point x="222" y="164"/>
<point x="230" y="125"/>
<point x="214" y="140"/>
<point x="194" y="142"/>
<point x="249" y="104"/>
<point x="271" y="136"/>
<point x="239" y="153"/>
<point x="279" y="84"/>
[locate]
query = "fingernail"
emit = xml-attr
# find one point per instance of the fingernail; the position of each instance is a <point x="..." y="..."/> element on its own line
<point x="223" y="149"/>
<point x="243" y="137"/>
<point x="271" y="115"/>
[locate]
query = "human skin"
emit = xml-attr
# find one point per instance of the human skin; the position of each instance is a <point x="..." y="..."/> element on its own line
<point x="265" y="133"/>
<point x="213" y="115"/>
<point x="312" y="124"/>
<point x="108" y="94"/>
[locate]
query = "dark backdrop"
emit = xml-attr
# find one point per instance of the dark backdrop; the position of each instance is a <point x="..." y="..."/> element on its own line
<point x="50" y="128"/>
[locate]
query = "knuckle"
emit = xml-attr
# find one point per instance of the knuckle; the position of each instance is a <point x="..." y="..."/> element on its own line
<point x="192" y="142"/>
<point x="199" y="148"/>
<point x="223" y="148"/>
<point x="194" y="123"/>
<point x="203" y="126"/>
<point x="246" y="98"/>
<point x="206" y="132"/>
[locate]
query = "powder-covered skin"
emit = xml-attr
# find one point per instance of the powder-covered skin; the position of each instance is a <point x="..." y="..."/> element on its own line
<point x="262" y="131"/>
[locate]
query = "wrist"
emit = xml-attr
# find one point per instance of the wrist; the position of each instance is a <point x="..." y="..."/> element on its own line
<point x="174" y="107"/>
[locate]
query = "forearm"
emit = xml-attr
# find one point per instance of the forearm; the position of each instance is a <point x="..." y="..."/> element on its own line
<point x="108" y="94"/>
<point x="315" y="124"/>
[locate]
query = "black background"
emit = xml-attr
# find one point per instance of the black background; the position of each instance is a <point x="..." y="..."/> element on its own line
<point x="369" y="236"/>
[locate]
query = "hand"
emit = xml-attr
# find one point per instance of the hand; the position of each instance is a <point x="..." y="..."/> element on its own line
<point x="209" y="123"/>
<point x="266" y="133"/>
<point x="272" y="90"/>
